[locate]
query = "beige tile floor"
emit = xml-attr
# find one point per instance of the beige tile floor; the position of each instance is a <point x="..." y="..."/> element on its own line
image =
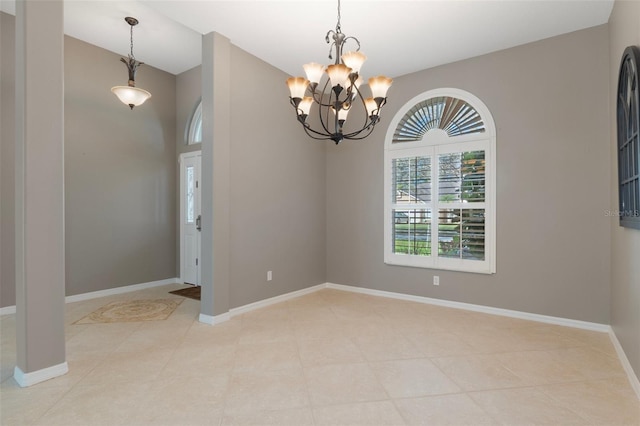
<point x="328" y="358"/>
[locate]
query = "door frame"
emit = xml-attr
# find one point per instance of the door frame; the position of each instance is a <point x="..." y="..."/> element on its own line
<point x="181" y="219"/>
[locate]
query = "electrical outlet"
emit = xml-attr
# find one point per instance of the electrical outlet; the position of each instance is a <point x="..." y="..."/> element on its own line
<point x="269" y="275"/>
<point x="436" y="280"/>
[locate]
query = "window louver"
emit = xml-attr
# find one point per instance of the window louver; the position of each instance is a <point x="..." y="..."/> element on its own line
<point x="454" y="116"/>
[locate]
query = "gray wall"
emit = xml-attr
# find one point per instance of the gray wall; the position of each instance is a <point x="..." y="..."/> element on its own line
<point x="277" y="198"/>
<point x="120" y="168"/>
<point x="624" y="30"/>
<point x="549" y="100"/>
<point x="119" y="174"/>
<point x="7" y="161"/>
<point x="277" y="178"/>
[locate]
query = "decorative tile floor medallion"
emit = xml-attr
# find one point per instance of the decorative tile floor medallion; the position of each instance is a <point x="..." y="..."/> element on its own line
<point x="132" y="311"/>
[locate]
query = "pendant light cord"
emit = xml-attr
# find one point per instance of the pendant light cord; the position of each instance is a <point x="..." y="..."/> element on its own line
<point x="132" y="42"/>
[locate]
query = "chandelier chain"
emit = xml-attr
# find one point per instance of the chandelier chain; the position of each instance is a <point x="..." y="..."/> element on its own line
<point x="338" y="27"/>
<point x="132" y="42"/>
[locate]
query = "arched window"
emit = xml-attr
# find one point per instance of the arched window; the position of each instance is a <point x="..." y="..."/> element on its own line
<point x="440" y="184"/>
<point x="628" y="111"/>
<point x="194" y="130"/>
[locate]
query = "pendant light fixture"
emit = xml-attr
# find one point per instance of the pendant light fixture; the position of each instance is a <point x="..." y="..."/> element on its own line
<point x="130" y="94"/>
<point x="340" y="90"/>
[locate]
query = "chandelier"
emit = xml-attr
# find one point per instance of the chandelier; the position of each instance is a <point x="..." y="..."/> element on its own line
<point x="130" y="94"/>
<point x="335" y="95"/>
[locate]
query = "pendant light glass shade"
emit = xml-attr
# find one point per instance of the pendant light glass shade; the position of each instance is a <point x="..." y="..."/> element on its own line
<point x="305" y="104"/>
<point x="297" y="86"/>
<point x="132" y="96"/>
<point x="314" y="71"/>
<point x="354" y="60"/>
<point x="379" y="86"/>
<point x="339" y="75"/>
<point x="372" y="107"/>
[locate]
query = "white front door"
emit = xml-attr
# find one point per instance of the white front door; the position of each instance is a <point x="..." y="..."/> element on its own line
<point x="190" y="217"/>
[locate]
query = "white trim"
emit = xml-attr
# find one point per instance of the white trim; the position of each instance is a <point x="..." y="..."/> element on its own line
<point x="8" y="310"/>
<point x="213" y="320"/>
<point x="471" y="99"/>
<point x="102" y="293"/>
<point x="190" y="130"/>
<point x="277" y="299"/>
<point x="118" y="290"/>
<point x="217" y="319"/>
<point x="181" y="159"/>
<point x="631" y="375"/>
<point x="29" y="379"/>
<point x="432" y="145"/>
<point x="585" y="325"/>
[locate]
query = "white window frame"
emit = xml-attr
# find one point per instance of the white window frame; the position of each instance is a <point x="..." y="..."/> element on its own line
<point x="195" y="125"/>
<point x="433" y="143"/>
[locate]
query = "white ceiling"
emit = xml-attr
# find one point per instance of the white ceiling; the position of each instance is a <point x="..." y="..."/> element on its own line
<point x="399" y="37"/>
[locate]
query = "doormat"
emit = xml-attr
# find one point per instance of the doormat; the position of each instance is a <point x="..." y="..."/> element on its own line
<point x="190" y="292"/>
<point x="132" y="311"/>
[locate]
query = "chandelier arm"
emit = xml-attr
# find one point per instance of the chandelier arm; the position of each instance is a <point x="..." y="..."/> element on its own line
<point x="132" y="66"/>
<point x="354" y="135"/>
<point x="318" y="100"/>
<point x="333" y="45"/>
<point x="317" y="97"/>
<point x="309" y="131"/>
<point x="321" y="106"/>
<point x="334" y="36"/>
<point x="325" y="122"/>
<point x="369" y="127"/>
<point x="367" y="121"/>
<point x="351" y="136"/>
<point x="354" y="39"/>
<point x="329" y="33"/>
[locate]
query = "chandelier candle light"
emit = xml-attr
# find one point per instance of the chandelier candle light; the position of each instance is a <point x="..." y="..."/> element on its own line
<point x="341" y="88"/>
<point x="130" y="94"/>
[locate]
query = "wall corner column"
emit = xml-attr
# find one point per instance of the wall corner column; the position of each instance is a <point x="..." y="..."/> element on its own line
<point x="216" y="154"/>
<point x="39" y="180"/>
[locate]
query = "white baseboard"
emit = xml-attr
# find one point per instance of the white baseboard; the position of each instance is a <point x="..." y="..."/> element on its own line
<point x="29" y="379"/>
<point x="217" y="319"/>
<point x="102" y="293"/>
<point x="631" y="375"/>
<point x="633" y="379"/>
<point x="213" y="320"/>
<point x="276" y="299"/>
<point x="8" y="310"/>
<point x="118" y="290"/>
<point x="585" y="325"/>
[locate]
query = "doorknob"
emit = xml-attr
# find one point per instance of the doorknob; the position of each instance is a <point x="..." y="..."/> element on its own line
<point x="199" y="223"/>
